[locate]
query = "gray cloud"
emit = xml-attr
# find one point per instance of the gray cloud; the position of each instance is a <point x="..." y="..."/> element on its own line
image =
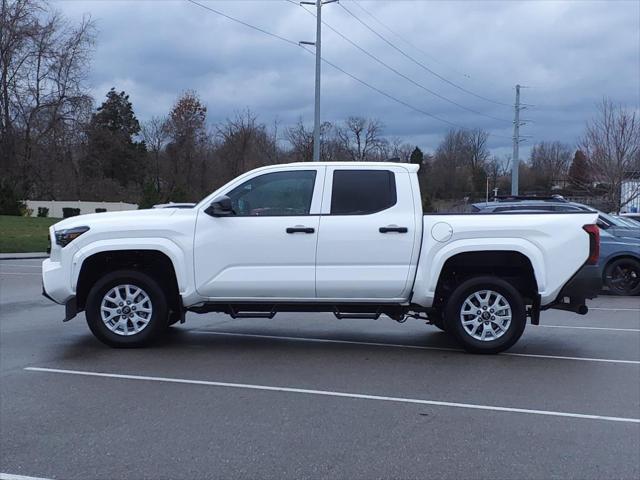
<point x="571" y="53"/>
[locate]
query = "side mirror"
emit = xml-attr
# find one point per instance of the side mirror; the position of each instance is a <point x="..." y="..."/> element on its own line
<point x="220" y="207"/>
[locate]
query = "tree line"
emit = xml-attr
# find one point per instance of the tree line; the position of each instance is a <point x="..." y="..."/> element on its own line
<point x="55" y="144"/>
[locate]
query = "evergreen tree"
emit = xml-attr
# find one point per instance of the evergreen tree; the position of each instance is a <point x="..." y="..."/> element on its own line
<point x="416" y="156"/>
<point x="112" y="148"/>
<point x="579" y="171"/>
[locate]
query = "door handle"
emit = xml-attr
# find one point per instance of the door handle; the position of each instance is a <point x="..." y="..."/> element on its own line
<point x="300" y="230"/>
<point x="393" y="228"/>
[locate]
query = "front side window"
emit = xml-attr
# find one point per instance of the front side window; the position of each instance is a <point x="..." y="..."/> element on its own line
<point x="275" y="194"/>
<point x="361" y="192"/>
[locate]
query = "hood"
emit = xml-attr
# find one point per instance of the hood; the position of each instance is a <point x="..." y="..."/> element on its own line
<point x="624" y="232"/>
<point x="110" y="217"/>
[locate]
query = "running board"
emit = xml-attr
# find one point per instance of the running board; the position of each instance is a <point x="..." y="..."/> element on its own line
<point x="370" y="311"/>
<point x="363" y="315"/>
<point x="234" y="313"/>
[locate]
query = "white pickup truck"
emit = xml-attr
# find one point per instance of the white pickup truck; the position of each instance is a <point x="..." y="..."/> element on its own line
<point x="348" y="238"/>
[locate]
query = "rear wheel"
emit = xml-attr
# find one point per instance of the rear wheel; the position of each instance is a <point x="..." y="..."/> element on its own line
<point x="126" y="308"/>
<point x="486" y="315"/>
<point x="622" y="276"/>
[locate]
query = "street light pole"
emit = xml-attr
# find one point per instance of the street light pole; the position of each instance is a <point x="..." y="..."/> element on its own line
<point x="515" y="162"/>
<point x="318" y="44"/>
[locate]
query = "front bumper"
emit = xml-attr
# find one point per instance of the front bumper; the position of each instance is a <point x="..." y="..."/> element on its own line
<point x="56" y="281"/>
<point x="586" y="283"/>
<point x="70" y="306"/>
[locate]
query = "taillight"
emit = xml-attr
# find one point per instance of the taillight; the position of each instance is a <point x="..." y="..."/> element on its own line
<point x="594" y="243"/>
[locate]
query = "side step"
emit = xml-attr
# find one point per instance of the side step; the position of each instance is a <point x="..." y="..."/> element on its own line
<point x="362" y="315"/>
<point x="269" y="310"/>
<point x="234" y="313"/>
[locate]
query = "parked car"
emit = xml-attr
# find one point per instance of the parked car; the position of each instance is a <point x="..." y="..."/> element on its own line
<point x="618" y="226"/>
<point x="635" y="216"/>
<point x="174" y="205"/>
<point x="344" y="237"/>
<point x="614" y="225"/>
<point x="620" y="264"/>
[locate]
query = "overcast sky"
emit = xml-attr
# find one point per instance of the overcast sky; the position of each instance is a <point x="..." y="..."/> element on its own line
<point x="571" y="54"/>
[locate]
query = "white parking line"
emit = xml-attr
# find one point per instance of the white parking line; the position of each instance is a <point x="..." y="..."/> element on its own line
<point x="9" y="476"/>
<point x="416" y="347"/>
<point x="592" y="328"/>
<point x="329" y="393"/>
<point x="615" y="309"/>
<point x="20" y="273"/>
<point x="4" y="265"/>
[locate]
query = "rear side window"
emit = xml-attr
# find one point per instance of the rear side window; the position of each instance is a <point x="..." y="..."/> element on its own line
<point x="360" y="192"/>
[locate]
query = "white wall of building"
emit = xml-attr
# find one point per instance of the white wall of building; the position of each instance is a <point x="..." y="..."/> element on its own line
<point x="55" y="207"/>
<point x="630" y="189"/>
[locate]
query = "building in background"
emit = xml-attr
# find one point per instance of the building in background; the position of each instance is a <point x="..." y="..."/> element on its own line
<point x="56" y="208"/>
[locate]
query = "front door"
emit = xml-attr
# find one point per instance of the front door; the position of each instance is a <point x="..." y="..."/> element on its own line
<point x="267" y="249"/>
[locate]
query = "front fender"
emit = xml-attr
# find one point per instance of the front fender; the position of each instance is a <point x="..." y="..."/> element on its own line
<point x="181" y="264"/>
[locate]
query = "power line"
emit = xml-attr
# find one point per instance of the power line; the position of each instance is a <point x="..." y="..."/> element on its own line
<point x="408" y="42"/>
<point x="385" y="94"/>
<point x="340" y="69"/>
<point x="237" y="20"/>
<point x="394" y="70"/>
<point x="417" y="62"/>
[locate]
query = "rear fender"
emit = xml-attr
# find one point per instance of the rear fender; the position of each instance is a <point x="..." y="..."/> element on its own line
<point x="429" y="272"/>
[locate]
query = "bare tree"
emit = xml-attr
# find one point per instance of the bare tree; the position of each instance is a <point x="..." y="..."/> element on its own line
<point x="550" y="162"/>
<point x="186" y="127"/>
<point x="398" y="150"/>
<point x="43" y="66"/>
<point x="301" y="140"/>
<point x="611" y="144"/>
<point x="155" y="134"/>
<point x="360" y="137"/>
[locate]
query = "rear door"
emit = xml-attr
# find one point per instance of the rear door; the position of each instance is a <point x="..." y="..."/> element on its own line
<point x="367" y="234"/>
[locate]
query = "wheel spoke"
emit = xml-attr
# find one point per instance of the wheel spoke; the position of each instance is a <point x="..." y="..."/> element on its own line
<point x="494" y="309"/>
<point x="116" y="313"/>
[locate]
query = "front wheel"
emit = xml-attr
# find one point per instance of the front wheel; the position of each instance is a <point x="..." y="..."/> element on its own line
<point x="486" y="315"/>
<point x="126" y="308"/>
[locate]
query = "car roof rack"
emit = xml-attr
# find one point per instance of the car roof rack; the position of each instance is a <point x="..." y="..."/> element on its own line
<point x="519" y="198"/>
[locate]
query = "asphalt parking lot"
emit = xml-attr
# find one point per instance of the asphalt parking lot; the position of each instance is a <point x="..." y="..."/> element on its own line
<point x="310" y="396"/>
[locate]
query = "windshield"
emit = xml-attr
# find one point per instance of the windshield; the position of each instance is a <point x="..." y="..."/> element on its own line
<point x="629" y="222"/>
<point x="615" y="221"/>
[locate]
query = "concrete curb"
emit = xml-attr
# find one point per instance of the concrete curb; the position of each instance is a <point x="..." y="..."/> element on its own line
<point x="23" y="256"/>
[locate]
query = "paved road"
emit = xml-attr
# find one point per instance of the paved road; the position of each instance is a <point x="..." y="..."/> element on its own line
<point x="309" y="396"/>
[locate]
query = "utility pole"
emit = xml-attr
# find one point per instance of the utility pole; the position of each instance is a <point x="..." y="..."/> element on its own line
<point x="318" y="44"/>
<point x="515" y="162"/>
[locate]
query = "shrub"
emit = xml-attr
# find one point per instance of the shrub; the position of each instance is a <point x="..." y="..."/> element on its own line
<point x="150" y="196"/>
<point x="9" y="202"/>
<point x="70" y="212"/>
<point x="101" y="210"/>
<point x="43" y="212"/>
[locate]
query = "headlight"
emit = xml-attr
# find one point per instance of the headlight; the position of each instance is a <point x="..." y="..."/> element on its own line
<point x="68" y="235"/>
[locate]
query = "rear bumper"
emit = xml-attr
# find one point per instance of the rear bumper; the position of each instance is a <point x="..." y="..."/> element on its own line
<point x="586" y="283"/>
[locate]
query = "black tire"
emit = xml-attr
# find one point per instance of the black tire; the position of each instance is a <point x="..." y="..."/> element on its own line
<point x="622" y="277"/>
<point x="453" y="315"/>
<point x="157" y="322"/>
